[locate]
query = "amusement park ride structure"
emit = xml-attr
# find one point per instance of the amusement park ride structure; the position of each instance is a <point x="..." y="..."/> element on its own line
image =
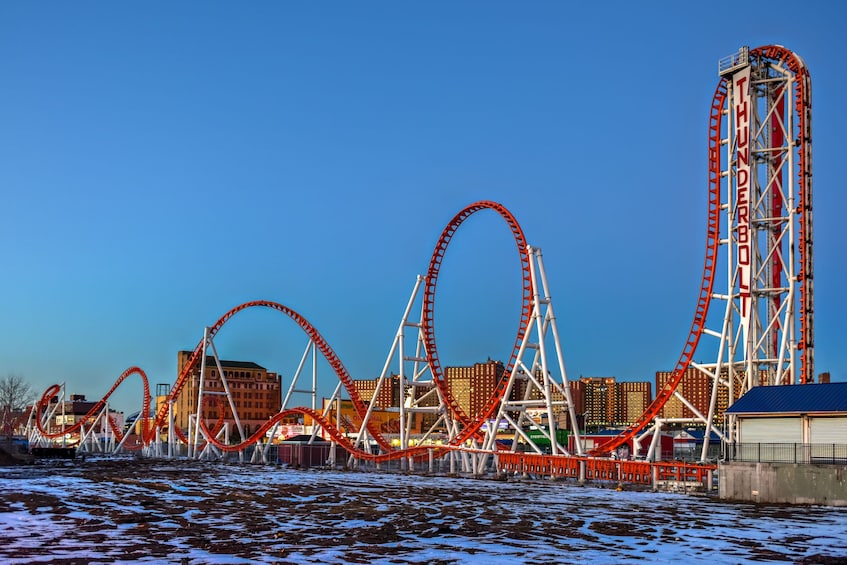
<point x="755" y="320"/>
<point x="760" y="182"/>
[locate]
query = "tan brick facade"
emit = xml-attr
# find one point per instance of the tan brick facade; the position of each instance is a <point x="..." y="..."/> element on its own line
<point x="256" y="393"/>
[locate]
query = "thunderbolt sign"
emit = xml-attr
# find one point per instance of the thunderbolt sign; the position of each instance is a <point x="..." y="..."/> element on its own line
<point x="741" y="103"/>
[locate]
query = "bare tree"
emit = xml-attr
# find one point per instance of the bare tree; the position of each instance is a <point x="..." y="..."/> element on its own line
<point x="15" y="393"/>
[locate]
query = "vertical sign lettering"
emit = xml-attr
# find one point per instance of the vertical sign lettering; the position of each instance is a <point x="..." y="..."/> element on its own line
<point x="742" y="106"/>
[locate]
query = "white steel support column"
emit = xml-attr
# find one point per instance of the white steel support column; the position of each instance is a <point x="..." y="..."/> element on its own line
<point x="312" y="392"/>
<point x="62" y="402"/>
<point x="542" y="390"/>
<point x="171" y="434"/>
<point x="126" y="435"/>
<point x="198" y="414"/>
<point x="413" y="375"/>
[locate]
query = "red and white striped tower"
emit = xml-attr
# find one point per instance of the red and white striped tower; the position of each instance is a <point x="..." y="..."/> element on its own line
<point x="766" y="336"/>
<point x="755" y="309"/>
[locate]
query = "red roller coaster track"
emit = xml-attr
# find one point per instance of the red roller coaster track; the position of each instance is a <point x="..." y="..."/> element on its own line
<point x="53" y="392"/>
<point x="472" y="423"/>
<point x="319" y="341"/>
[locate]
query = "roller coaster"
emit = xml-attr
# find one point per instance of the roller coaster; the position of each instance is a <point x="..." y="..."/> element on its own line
<point x="754" y="316"/>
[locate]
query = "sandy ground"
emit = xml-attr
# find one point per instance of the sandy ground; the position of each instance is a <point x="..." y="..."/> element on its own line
<point x="189" y="512"/>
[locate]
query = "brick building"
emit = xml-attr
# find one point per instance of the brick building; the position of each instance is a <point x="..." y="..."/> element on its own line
<point x="256" y="393"/>
<point x="389" y="393"/>
<point x="605" y="402"/>
<point x="598" y="401"/>
<point x="472" y="386"/>
<point x="600" y="398"/>
<point x="578" y="398"/>
<point x="696" y="388"/>
<point x="633" y="398"/>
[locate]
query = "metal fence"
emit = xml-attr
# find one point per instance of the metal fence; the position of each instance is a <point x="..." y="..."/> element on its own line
<point x="801" y="453"/>
<point x="693" y="454"/>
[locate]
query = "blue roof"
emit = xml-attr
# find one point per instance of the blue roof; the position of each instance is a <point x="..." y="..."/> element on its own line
<point x="792" y="399"/>
<point x="611" y="432"/>
<point x="697" y="434"/>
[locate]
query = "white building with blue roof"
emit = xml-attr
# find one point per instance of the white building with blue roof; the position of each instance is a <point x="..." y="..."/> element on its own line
<point x="791" y="414"/>
<point x="790" y="446"/>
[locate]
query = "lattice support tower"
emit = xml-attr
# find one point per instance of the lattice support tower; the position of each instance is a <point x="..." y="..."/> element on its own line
<point x="538" y="384"/>
<point x="419" y="397"/>
<point x="766" y="334"/>
<point x="756" y="298"/>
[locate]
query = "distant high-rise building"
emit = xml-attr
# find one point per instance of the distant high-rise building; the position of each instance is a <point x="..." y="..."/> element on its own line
<point x="600" y="400"/>
<point x="578" y="398"/>
<point x="561" y="414"/>
<point x="597" y="401"/>
<point x="633" y="398"/>
<point x="388" y="395"/>
<point x="472" y="386"/>
<point x="696" y="388"/>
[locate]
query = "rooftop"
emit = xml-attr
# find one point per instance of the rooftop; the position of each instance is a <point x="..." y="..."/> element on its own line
<point x="793" y="399"/>
<point x="210" y="361"/>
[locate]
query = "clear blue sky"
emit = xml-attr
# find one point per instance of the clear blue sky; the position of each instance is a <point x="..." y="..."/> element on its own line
<point x="161" y="163"/>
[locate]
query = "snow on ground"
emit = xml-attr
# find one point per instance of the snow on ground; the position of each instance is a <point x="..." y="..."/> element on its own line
<point x="142" y="511"/>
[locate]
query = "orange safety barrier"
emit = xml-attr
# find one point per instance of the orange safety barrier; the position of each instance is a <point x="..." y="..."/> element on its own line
<point x="597" y="469"/>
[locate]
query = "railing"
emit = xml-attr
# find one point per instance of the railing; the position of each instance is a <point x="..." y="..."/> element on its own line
<point x="734" y="61"/>
<point x="800" y="453"/>
<point x="695" y="454"/>
<point x="599" y="470"/>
